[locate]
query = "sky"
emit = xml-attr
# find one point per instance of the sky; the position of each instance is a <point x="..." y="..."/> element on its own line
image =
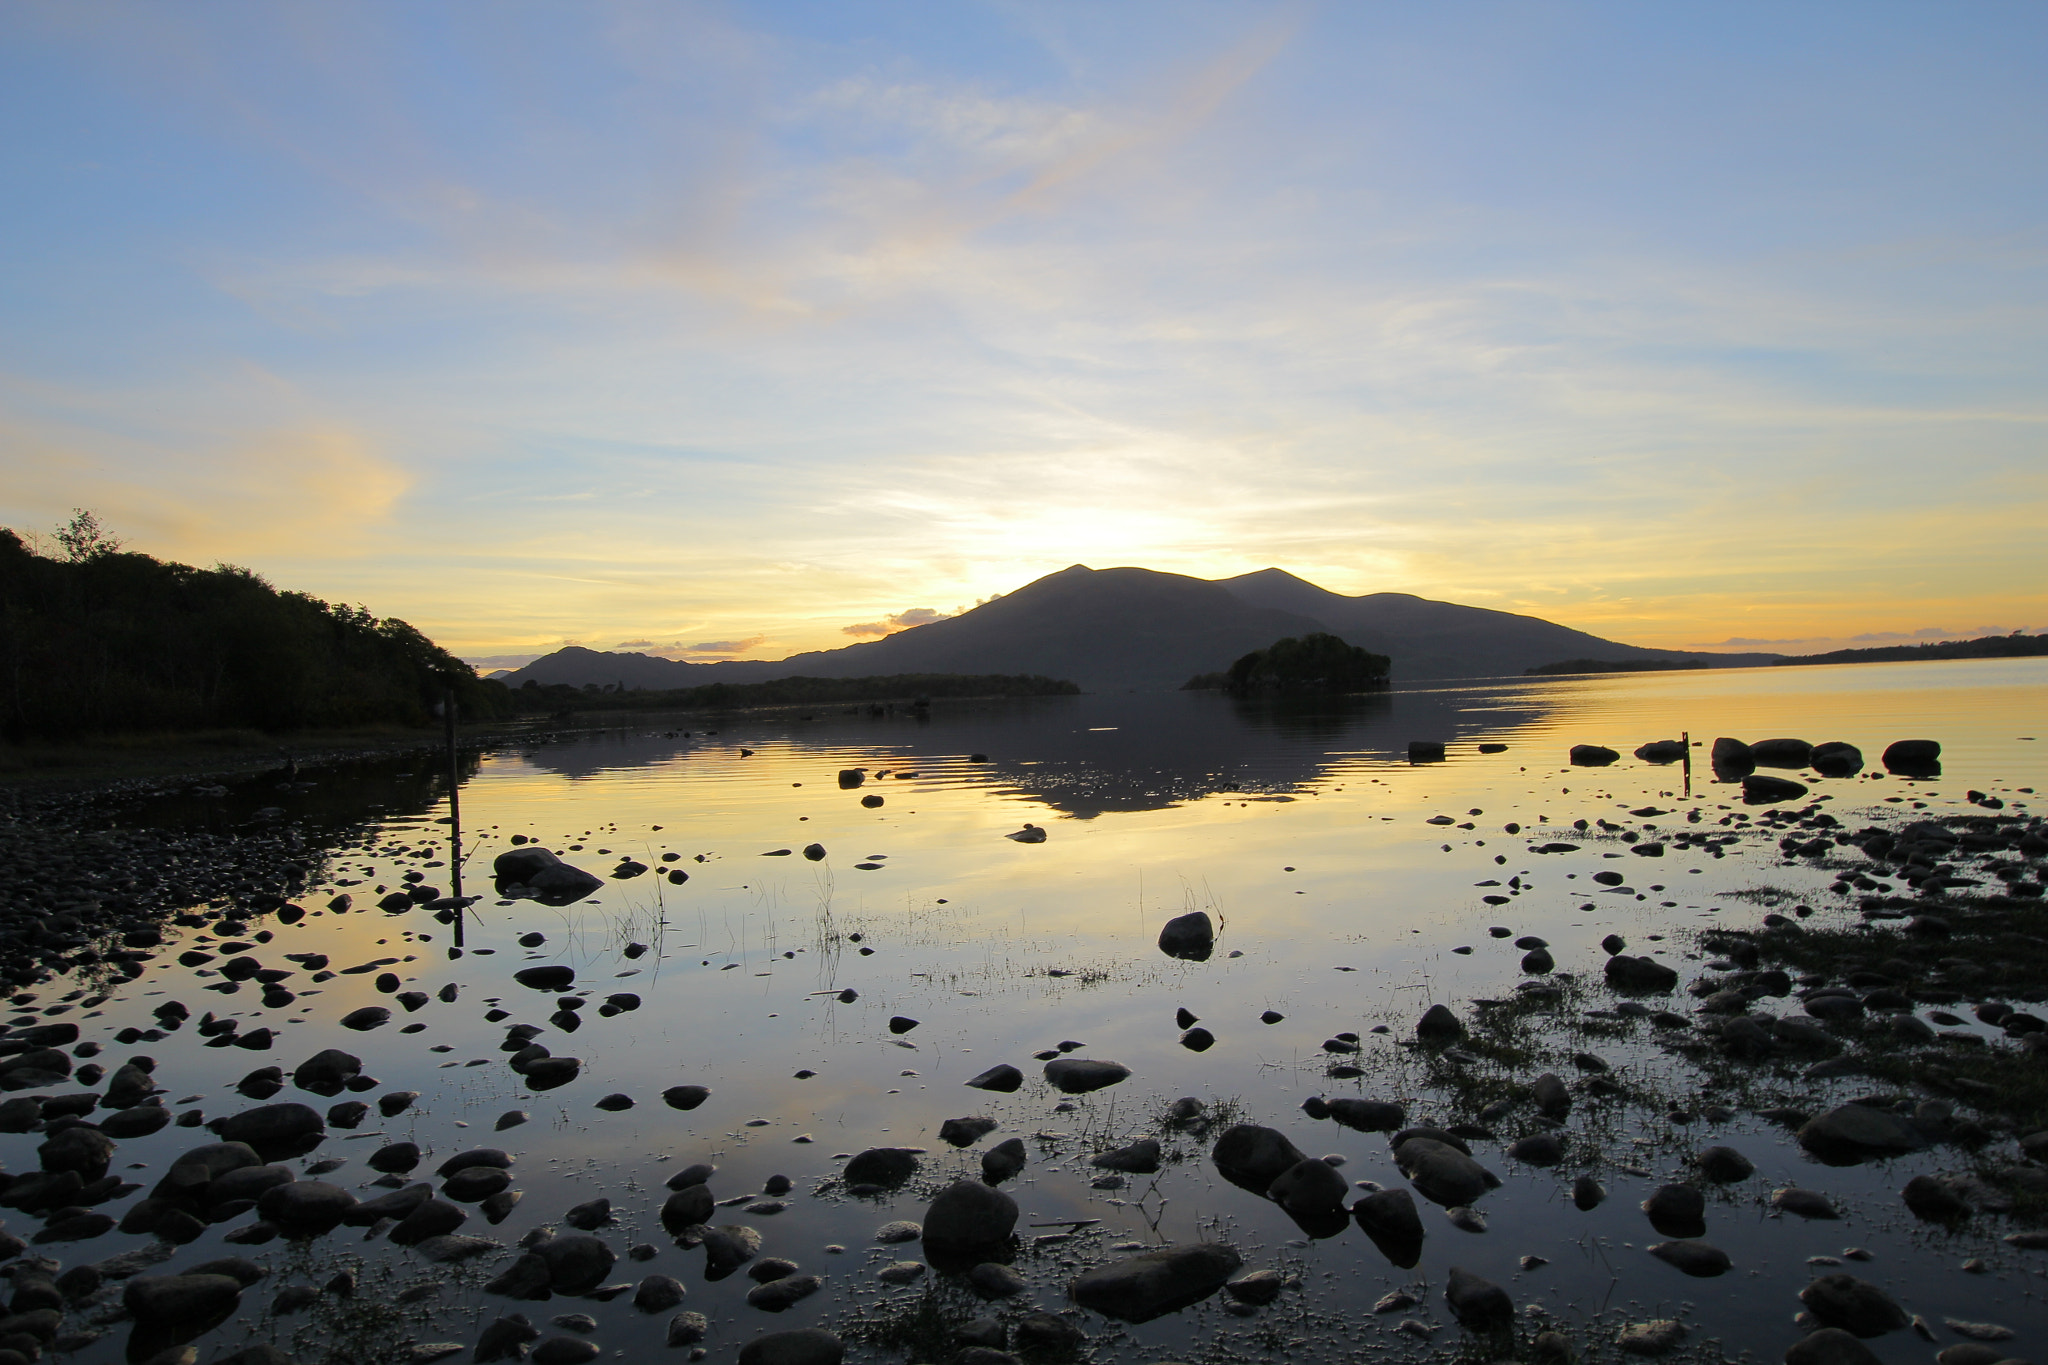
<point x="735" y="330"/>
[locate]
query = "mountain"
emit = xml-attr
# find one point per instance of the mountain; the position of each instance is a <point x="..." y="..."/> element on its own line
<point x="1113" y="630"/>
<point x="1430" y="640"/>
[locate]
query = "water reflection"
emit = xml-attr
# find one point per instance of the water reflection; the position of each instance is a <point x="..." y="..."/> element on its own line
<point x="1084" y="756"/>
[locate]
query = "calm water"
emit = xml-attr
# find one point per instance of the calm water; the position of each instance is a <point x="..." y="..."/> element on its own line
<point x="1306" y="832"/>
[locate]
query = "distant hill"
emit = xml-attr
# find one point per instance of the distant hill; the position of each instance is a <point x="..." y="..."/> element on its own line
<point x="1139" y="630"/>
<point x="2013" y="646"/>
<point x="1431" y="640"/>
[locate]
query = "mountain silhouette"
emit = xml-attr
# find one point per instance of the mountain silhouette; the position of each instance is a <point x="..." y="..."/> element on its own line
<point x="1129" y="629"/>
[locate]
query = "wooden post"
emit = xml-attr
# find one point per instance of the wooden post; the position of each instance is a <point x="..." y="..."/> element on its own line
<point x="454" y="811"/>
<point x="1685" y="737"/>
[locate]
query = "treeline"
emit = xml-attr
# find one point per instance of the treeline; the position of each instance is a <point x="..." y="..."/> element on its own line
<point x="1613" y="666"/>
<point x="1312" y="663"/>
<point x="798" y="691"/>
<point x="98" y="641"/>
<point x="2013" y="646"/>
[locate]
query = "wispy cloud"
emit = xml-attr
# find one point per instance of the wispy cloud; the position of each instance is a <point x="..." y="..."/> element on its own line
<point x="891" y="625"/>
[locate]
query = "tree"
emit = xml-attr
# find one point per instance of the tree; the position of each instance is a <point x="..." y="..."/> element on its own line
<point x="84" y="539"/>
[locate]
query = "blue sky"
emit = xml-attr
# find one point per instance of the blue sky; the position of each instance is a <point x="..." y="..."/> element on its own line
<point x="744" y="325"/>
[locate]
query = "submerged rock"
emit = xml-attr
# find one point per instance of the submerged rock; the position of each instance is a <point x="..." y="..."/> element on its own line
<point x="1856" y="1306"/>
<point x="1479" y="1305"/>
<point x="1146" y="1286"/>
<point x="968" y="1213"/>
<point x="1079" y="1075"/>
<point x="1253" y="1157"/>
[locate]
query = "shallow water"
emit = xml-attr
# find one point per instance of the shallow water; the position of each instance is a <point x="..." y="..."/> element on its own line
<point x="1303" y="830"/>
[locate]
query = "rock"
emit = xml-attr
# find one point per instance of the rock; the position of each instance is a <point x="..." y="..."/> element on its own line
<point x="1833" y="1346"/>
<point x="1550" y="1094"/>
<point x="1693" y="1257"/>
<point x="1653" y="1338"/>
<point x="1538" y="962"/>
<point x="394" y="1158"/>
<point x="1142" y="1287"/>
<point x="552" y="976"/>
<point x="1479" y="1305"/>
<point x="1856" y="1132"/>
<point x="270" y="1125"/>
<point x="908" y="1272"/>
<point x="1003" y="1161"/>
<point x="1588" y="1194"/>
<point x="1592" y="755"/>
<point x="551" y="1073"/>
<point x="305" y="1206"/>
<point x="1078" y="1075"/>
<point x="1931" y="1198"/>
<point x="1661" y="751"/>
<point x="1723" y="1164"/>
<point x="1259" y="1287"/>
<point x="1836" y="759"/>
<point x="397" y="1204"/>
<point x="990" y="1280"/>
<point x="1139" y="1158"/>
<point x="1761" y="789"/>
<point x="575" y="1263"/>
<point x="687" y="1207"/>
<point x="590" y="1215"/>
<point x="1309" y="1186"/>
<point x="327" y="1071"/>
<point x="1639" y="975"/>
<point x="1913" y="757"/>
<point x="1389" y="1213"/>
<point x="1856" y="1306"/>
<point x="687" y="1329"/>
<point x="778" y="1295"/>
<point x="1781" y="753"/>
<point x="728" y="1247"/>
<point x="1005" y="1079"/>
<point x="474" y="1184"/>
<point x="83" y="1150"/>
<point x="1253" y="1157"/>
<point x="1441" y="1173"/>
<point x="429" y="1218"/>
<point x="1044" y="1334"/>
<point x="364" y="1019"/>
<point x="1962" y="1353"/>
<point x="1805" y="1203"/>
<point x="448" y="1249"/>
<point x="887" y="1166"/>
<point x="1439" y="1026"/>
<point x="1538" y="1149"/>
<point x="684" y="1097"/>
<point x="803" y="1346"/>
<point x="968" y="1213"/>
<point x="565" y="1351"/>
<point x="1368" y="1116"/>
<point x="1677" y="1210"/>
<point x="966" y="1132"/>
<point x="505" y="1338"/>
<point x="1191" y="937"/>
<point x="176" y="1299"/>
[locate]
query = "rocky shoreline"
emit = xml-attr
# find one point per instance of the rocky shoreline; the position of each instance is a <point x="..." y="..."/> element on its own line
<point x="1942" y="915"/>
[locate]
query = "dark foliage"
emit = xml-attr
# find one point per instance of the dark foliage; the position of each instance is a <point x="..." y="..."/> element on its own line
<point x="2013" y="646"/>
<point x="787" y="692"/>
<point x="1613" y="666"/>
<point x="1312" y="663"/>
<point x="103" y="642"/>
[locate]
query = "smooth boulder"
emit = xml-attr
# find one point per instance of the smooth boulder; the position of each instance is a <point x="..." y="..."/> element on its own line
<point x="1153" y="1283"/>
<point x="1191" y="937"/>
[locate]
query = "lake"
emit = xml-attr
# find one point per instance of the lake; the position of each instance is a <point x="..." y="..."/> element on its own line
<point x="1350" y="889"/>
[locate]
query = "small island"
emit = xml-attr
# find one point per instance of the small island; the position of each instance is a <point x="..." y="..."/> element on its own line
<point x="1310" y="663"/>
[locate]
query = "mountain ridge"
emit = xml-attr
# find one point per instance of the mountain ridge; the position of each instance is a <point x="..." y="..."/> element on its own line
<point x="1135" y="629"/>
